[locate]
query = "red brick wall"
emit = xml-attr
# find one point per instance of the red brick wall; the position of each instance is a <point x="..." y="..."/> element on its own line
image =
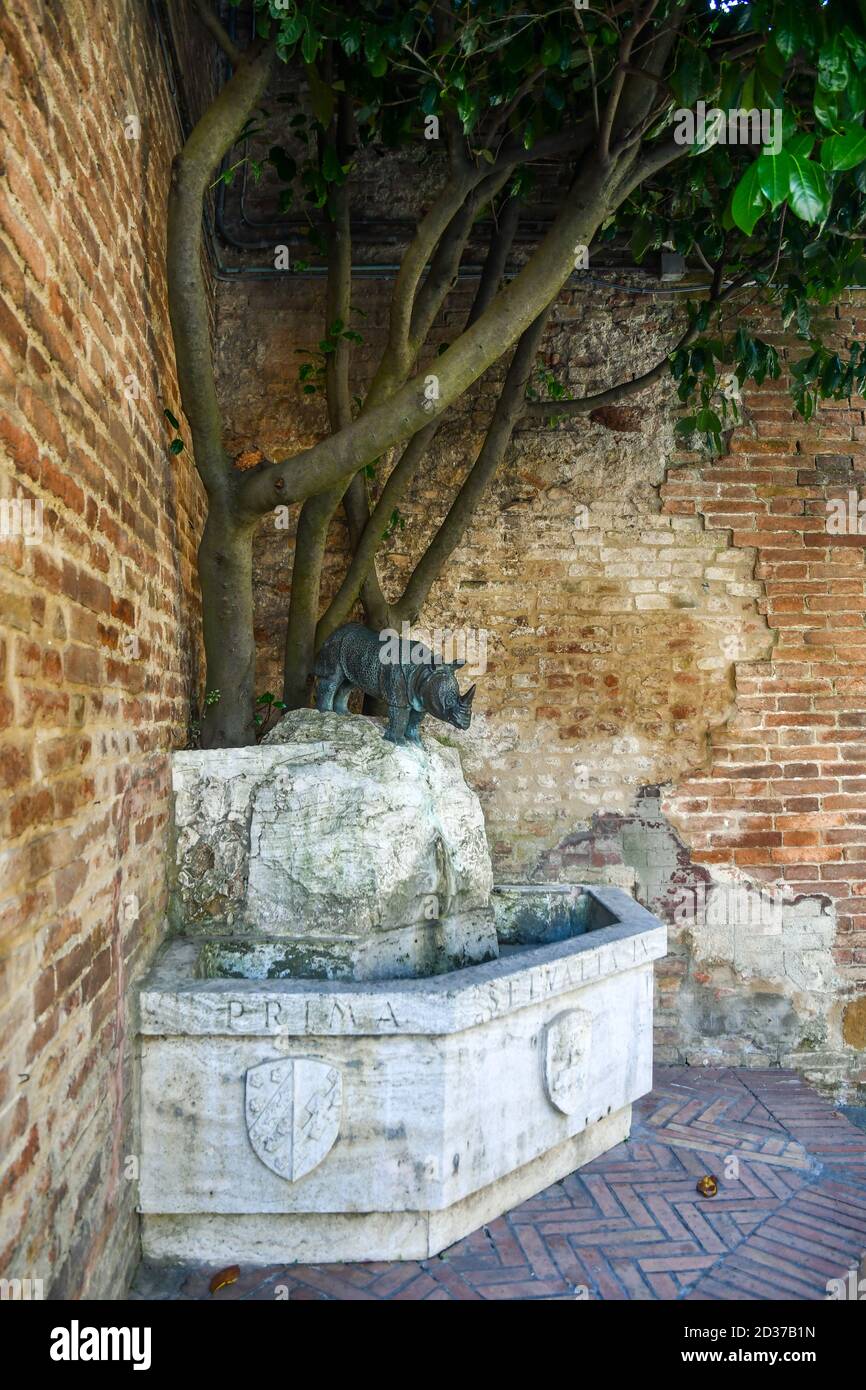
<point x="97" y="652"/>
<point x="784" y="795"/>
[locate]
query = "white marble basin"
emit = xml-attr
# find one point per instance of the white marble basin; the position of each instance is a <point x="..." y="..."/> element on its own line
<point x="312" y="1120"/>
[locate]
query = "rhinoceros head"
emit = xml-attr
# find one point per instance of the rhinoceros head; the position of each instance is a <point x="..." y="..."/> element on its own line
<point x="443" y="699"/>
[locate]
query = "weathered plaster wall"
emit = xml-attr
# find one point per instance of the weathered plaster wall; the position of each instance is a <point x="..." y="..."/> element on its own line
<point x="97" y="659"/>
<point x="653" y="620"/>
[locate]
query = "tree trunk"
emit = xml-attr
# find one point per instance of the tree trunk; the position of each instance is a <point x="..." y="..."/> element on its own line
<point x="310" y="541"/>
<point x="225" y="568"/>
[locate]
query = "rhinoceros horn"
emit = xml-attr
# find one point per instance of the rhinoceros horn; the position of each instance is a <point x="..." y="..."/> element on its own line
<point x="468" y="697"/>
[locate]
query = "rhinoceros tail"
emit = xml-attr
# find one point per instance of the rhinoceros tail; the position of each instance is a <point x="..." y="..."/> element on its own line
<point x="328" y="653"/>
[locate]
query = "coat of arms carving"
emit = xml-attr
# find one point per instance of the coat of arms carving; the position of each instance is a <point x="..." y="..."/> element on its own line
<point x="565" y="1056"/>
<point x="293" y="1110"/>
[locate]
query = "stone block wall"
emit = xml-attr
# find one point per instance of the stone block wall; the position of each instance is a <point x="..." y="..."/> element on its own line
<point x="98" y="658"/>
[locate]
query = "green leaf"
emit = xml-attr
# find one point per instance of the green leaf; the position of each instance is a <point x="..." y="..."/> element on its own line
<point x="321" y="96"/>
<point x="644" y="235"/>
<point x="808" y="194"/>
<point x="309" y="46"/>
<point x="467" y="110"/>
<point x="834" y="65"/>
<point x="331" y="169"/>
<point x="856" y="44"/>
<point x="290" y="30"/>
<point x="790" y="28"/>
<point x="846" y="150"/>
<point x="175" y="424"/>
<point x="350" y="39"/>
<point x="826" y="108"/>
<point x="748" y="203"/>
<point x="774" y="175"/>
<point x="550" y="50"/>
<point x="800" y="144"/>
<point x="709" y="422"/>
<point x="519" y="53"/>
<point x="692" y="76"/>
<point x="831" y="377"/>
<point x="176" y="446"/>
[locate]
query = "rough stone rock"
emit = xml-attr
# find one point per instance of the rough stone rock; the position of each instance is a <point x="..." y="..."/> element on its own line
<point x="328" y="852"/>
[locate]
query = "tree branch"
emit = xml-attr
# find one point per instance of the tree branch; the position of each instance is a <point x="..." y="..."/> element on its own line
<point x="397" y="358"/>
<point x="215" y="28"/>
<point x="338" y="297"/>
<point x="497" y="256"/>
<point x="497" y="439"/>
<point x="536" y="410"/>
<point x="655" y="157"/>
<point x="479" y="346"/>
<point x="366" y="547"/>
<point x="446" y="261"/>
<point x="626" y="44"/>
<point x="362" y="561"/>
<point x="193" y="167"/>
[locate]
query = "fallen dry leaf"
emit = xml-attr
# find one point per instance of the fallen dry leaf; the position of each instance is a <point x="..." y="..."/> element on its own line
<point x="224" y="1278"/>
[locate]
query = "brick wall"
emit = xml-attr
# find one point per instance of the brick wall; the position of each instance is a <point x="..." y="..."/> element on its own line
<point x="781" y="798"/>
<point x="653" y="620"/>
<point x="96" y="654"/>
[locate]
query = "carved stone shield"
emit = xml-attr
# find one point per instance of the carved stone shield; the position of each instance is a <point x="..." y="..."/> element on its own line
<point x="565" y="1058"/>
<point x="293" y="1113"/>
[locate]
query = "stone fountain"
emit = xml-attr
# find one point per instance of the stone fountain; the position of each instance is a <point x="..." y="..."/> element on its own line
<point x="356" y="1046"/>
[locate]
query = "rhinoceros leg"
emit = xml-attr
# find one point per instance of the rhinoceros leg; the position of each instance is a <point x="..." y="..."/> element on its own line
<point x="325" y="692"/>
<point x="413" y="726"/>
<point x="398" y="717"/>
<point x="341" y="699"/>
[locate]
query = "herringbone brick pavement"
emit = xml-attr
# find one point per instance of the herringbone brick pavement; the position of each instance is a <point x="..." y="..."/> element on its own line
<point x="790" y="1213"/>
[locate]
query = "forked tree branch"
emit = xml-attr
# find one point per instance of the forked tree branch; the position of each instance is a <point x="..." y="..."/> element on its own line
<point x="609" y="115"/>
<point x="363" y="559"/>
<point x="446" y="261"/>
<point x="404" y="470"/>
<point x="406" y="411"/>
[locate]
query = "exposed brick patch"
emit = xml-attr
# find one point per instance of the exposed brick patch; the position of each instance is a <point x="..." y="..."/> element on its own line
<point x="782" y="799"/>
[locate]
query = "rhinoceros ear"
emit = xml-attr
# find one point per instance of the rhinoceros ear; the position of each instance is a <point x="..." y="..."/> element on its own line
<point x="469" y="696"/>
<point x="456" y="665"/>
